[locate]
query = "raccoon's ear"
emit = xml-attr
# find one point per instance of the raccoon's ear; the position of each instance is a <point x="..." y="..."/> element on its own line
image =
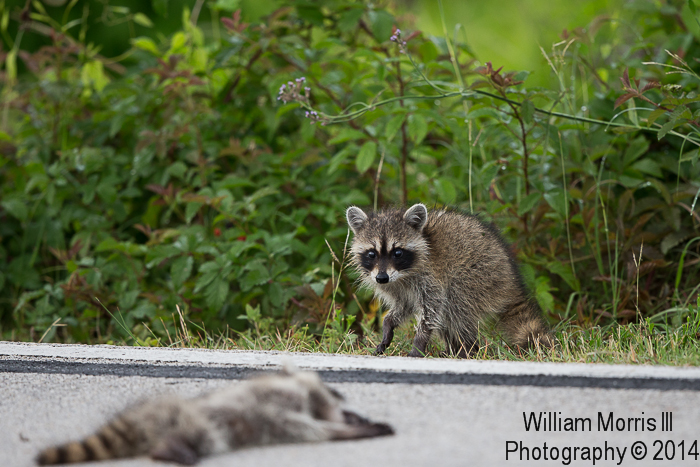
<point x="416" y="216"/>
<point x="356" y="218"/>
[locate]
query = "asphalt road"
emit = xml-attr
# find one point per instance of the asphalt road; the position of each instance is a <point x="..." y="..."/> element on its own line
<point x="445" y="412"/>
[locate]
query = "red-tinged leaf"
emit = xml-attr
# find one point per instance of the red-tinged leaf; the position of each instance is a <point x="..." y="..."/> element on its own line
<point x="229" y="23"/>
<point x="161" y="190"/>
<point x="145" y="229"/>
<point x="622" y="99"/>
<point x="412" y="35"/>
<point x="626" y="79"/>
<point x="649" y="85"/>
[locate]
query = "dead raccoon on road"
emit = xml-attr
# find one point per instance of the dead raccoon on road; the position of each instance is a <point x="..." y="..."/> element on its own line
<point x="448" y="269"/>
<point x="286" y="408"/>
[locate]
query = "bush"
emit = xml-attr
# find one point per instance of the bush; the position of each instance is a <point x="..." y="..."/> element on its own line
<point x="193" y="179"/>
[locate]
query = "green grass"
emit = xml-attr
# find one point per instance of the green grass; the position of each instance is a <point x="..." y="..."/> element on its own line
<point x="650" y="342"/>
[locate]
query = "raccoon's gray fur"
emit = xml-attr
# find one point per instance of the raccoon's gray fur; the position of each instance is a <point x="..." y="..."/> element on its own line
<point x="290" y="407"/>
<point x="448" y="269"/>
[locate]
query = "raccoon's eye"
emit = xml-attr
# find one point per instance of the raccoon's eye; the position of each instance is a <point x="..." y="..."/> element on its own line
<point x="371" y="254"/>
<point x="398" y="252"/>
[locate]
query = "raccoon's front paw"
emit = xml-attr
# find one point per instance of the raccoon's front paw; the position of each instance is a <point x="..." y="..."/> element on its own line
<point x="380" y="349"/>
<point x="416" y="353"/>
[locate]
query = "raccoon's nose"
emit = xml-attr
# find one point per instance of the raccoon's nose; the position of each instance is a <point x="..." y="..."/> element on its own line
<point x="382" y="278"/>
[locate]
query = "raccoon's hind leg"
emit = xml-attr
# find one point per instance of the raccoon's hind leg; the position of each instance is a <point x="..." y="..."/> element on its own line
<point x="420" y="342"/>
<point x="523" y="325"/>
<point x="462" y="344"/>
<point x="177" y="449"/>
<point x="188" y="444"/>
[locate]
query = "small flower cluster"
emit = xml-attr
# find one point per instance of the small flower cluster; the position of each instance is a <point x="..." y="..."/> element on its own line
<point x="292" y="91"/>
<point x="396" y="37"/>
<point x="313" y="116"/>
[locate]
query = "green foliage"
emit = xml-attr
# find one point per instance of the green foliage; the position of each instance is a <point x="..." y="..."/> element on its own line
<point x="192" y="179"/>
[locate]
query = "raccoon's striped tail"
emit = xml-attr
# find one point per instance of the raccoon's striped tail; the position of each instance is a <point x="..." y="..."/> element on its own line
<point x="112" y="441"/>
<point x="524" y="326"/>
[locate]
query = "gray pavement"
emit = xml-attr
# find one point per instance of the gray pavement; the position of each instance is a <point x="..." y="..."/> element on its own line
<point x="446" y="412"/>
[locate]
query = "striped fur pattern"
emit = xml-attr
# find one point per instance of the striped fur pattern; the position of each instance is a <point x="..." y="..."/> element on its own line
<point x="286" y="408"/>
<point x="450" y="270"/>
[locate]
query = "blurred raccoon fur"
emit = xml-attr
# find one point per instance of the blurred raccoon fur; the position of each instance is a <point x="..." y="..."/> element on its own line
<point x="286" y="408"/>
<point x="448" y="269"/>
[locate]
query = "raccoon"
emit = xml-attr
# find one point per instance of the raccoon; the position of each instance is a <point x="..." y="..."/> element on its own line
<point x="286" y="408"/>
<point x="448" y="269"/>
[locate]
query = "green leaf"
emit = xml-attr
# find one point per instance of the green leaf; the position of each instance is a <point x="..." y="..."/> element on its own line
<point x="155" y="255"/>
<point x="107" y="192"/>
<point x="21" y="272"/>
<point x="648" y="166"/>
<point x="11" y="65"/>
<point x="636" y="149"/>
<point x="446" y="190"/>
<point x="2" y="280"/>
<point x="417" y="128"/>
<point x="382" y="24"/>
<point x="227" y="5"/>
<point x="365" y="157"/>
<point x="668" y="126"/>
<point x="207" y="276"/>
<point x="527" y="111"/>
<point x="178" y="170"/>
<point x="143" y="20"/>
<point x="311" y="13"/>
<point x="340" y="157"/>
<point x="276" y="294"/>
<point x="347" y="134"/>
<point x="350" y="18"/>
<point x="654" y="115"/>
<point x="484" y="112"/>
<point x="145" y="43"/>
<point x="393" y="126"/>
<point x="529" y="202"/>
<point x="178" y="41"/>
<point x="181" y="269"/>
<point x="256" y="274"/>
<point x="215" y="294"/>
<point x="564" y="271"/>
<point x="428" y="52"/>
<point x="16" y="207"/>
<point x="191" y="210"/>
<point x="673" y="239"/>
<point x="161" y="7"/>
<point x="543" y="293"/>
<point x="555" y="198"/>
<point x="661" y="188"/>
<point x="108" y="244"/>
<point x="145" y="309"/>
